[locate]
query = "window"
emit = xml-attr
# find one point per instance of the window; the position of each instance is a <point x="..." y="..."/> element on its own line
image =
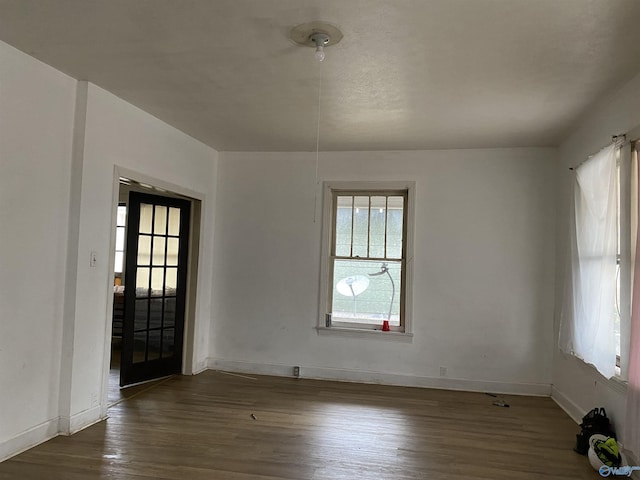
<point x="595" y="321"/>
<point x="587" y="329"/>
<point x="365" y="257"/>
<point x="121" y="223"/>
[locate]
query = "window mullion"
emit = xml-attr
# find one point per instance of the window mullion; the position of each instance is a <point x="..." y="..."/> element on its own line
<point x="369" y="226"/>
<point x="386" y="223"/>
<point x="353" y="216"/>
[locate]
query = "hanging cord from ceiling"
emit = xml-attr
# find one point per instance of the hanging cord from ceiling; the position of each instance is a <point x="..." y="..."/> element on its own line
<point x="317" y="178"/>
<point x="317" y="35"/>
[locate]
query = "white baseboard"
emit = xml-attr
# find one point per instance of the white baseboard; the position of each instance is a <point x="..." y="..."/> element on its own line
<point x="200" y="367"/>
<point x="361" y="376"/>
<point x="568" y="405"/>
<point x="80" y="421"/>
<point x="28" y="439"/>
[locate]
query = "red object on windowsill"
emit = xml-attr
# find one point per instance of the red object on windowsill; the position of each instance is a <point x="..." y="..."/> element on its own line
<point x="385" y="326"/>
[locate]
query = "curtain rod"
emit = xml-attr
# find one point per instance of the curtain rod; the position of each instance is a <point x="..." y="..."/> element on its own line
<point x="615" y="139"/>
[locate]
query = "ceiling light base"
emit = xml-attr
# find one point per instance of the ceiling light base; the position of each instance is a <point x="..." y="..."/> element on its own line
<point x="314" y="34"/>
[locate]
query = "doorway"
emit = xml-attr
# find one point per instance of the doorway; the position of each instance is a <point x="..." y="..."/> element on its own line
<point x="151" y="275"/>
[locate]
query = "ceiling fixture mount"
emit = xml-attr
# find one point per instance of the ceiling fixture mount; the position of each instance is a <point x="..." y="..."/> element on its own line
<point x="318" y="35"/>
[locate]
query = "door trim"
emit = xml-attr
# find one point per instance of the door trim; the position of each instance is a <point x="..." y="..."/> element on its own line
<point x="196" y="198"/>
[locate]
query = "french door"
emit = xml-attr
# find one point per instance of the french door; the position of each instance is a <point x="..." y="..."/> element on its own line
<point x="155" y="287"/>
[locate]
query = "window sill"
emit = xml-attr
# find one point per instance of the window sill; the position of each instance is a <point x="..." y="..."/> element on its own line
<point x="362" y="333"/>
<point x="617" y="384"/>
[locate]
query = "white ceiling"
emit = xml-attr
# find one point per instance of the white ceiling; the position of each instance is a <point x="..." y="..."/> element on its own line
<point x="408" y="74"/>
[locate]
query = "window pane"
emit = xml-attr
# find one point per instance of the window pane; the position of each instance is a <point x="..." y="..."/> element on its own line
<point x="122" y="216"/>
<point x="378" y="217"/>
<point x="144" y="250"/>
<point x="142" y="282"/>
<point x="146" y="214"/>
<point x="171" y="282"/>
<point x="141" y="313"/>
<point x="365" y="293"/>
<point x="154" y="345"/>
<point x="119" y="263"/>
<point x="395" y="216"/>
<point x="158" y="250"/>
<point x="360" y="227"/>
<point x="174" y="221"/>
<point x="155" y="313"/>
<point x="343" y="226"/>
<point x="173" y="245"/>
<point x="160" y="221"/>
<point x="169" y="312"/>
<point x="168" y="341"/>
<point x="157" y="281"/>
<point x="139" y="346"/>
<point x="120" y="239"/>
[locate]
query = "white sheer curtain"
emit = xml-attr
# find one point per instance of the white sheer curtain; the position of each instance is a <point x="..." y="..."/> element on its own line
<point x="587" y="324"/>
<point x="632" y="432"/>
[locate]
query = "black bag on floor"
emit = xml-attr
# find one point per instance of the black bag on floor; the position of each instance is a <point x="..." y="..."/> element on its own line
<point x="596" y="421"/>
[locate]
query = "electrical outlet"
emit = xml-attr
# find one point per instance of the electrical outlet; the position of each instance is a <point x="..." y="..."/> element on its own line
<point x="296" y="371"/>
<point x="443" y="371"/>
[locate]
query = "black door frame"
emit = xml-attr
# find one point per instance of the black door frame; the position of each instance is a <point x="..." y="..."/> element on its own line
<point x="150" y="368"/>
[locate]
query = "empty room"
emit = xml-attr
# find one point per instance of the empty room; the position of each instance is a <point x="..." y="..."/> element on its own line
<point x="304" y="240"/>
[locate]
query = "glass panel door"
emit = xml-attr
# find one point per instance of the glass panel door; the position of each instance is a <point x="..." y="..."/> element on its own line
<point x="156" y="272"/>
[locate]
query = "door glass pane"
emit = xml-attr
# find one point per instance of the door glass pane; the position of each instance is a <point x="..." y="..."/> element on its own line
<point x="168" y="340"/>
<point x="140" y="316"/>
<point x="361" y="226"/>
<point x="157" y="281"/>
<point x="344" y="215"/>
<point x="142" y="282"/>
<point x="394" y="227"/>
<point x="169" y="312"/>
<point x="158" y="250"/>
<point x="377" y="217"/>
<point x="155" y="318"/>
<point x="144" y="250"/>
<point x="160" y="221"/>
<point x="139" y="346"/>
<point x="154" y="344"/>
<point x="171" y="281"/>
<point x="146" y="215"/>
<point x="173" y="245"/>
<point x="174" y="221"/>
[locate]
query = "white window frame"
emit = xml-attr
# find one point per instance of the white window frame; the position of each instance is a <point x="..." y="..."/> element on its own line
<point x="329" y="187"/>
<point x="626" y="213"/>
<point x="629" y="216"/>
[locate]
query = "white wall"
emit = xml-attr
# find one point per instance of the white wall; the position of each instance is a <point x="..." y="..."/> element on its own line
<point x="484" y="268"/>
<point x="119" y="134"/>
<point x="61" y="142"/>
<point x="578" y="387"/>
<point x="36" y="118"/>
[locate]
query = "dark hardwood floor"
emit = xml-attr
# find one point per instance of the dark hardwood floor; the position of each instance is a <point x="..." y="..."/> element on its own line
<point x="221" y="426"/>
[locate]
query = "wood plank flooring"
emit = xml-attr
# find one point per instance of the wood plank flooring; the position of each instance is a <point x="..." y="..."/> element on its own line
<point x="221" y="426"/>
